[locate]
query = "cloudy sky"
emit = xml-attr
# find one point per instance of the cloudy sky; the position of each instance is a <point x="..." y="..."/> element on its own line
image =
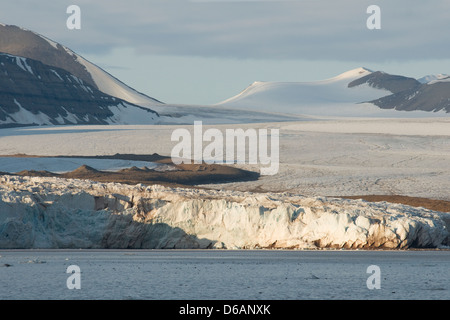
<point x="205" y="51"/>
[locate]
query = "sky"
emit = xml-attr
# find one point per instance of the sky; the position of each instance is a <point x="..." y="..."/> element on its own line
<point x="206" y="51"/>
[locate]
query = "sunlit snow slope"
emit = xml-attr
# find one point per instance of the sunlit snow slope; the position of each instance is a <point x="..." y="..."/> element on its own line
<point x="330" y="97"/>
<point x="113" y="86"/>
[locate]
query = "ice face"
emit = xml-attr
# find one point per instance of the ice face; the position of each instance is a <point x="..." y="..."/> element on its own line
<point x="38" y="212"/>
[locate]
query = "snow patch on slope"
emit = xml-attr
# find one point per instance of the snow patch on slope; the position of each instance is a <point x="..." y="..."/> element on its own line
<point x="56" y="213"/>
<point x="127" y="114"/>
<point x="114" y="87"/>
<point x="351" y="74"/>
<point x="24" y="116"/>
<point x="51" y="42"/>
<point x="22" y="63"/>
<point x="122" y="114"/>
<point x="446" y="79"/>
<point x="434" y="78"/>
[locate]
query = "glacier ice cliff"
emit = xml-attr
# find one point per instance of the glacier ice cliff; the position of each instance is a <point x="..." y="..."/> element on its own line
<point x="37" y="212"/>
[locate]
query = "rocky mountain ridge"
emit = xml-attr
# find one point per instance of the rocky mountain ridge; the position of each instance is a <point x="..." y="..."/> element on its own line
<point x="33" y="93"/>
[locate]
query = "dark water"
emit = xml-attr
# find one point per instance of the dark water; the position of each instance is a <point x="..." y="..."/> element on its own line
<point x="219" y="274"/>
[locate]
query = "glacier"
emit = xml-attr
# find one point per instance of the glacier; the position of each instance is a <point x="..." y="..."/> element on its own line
<point x="51" y="213"/>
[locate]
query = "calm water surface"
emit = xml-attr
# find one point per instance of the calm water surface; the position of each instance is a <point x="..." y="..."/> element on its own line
<point x="225" y="275"/>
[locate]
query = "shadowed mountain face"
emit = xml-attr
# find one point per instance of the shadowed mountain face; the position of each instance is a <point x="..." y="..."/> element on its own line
<point x="381" y="80"/>
<point x="32" y="93"/>
<point x="20" y="42"/>
<point x="426" y="97"/>
<point x="408" y="94"/>
<point x="25" y="43"/>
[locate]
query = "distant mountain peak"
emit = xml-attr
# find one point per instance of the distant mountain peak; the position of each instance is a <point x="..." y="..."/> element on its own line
<point x="357" y="72"/>
<point x="33" y="93"/>
<point x="309" y="98"/>
<point x="383" y="80"/>
<point x="356" y="92"/>
<point x="433" y="96"/>
<point x="431" y="78"/>
<point x="29" y="44"/>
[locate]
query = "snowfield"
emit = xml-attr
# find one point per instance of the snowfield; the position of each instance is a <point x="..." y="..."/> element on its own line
<point x="317" y="158"/>
<point x="58" y="213"/>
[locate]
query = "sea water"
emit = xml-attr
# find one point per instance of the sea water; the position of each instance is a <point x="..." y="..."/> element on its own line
<point x="224" y="274"/>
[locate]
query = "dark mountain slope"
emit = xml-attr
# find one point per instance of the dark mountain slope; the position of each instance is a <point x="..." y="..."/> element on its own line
<point x="32" y="93"/>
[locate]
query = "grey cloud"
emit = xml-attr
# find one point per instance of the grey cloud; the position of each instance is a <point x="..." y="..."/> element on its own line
<point x="300" y="29"/>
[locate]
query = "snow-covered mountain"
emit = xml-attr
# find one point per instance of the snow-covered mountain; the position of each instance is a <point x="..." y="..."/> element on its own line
<point x="58" y="213"/>
<point x="433" y="96"/>
<point x="382" y="80"/>
<point x="357" y="92"/>
<point x="327" y="97"/>
<point x="433" y="77"/>
<point x="33" y="93"/>
<point x="28" y="44"/>
<point x="429" y="93"/>
<point x="25" y="43"/>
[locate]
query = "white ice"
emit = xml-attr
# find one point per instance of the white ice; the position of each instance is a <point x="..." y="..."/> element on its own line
<point x="57" y="213"/>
